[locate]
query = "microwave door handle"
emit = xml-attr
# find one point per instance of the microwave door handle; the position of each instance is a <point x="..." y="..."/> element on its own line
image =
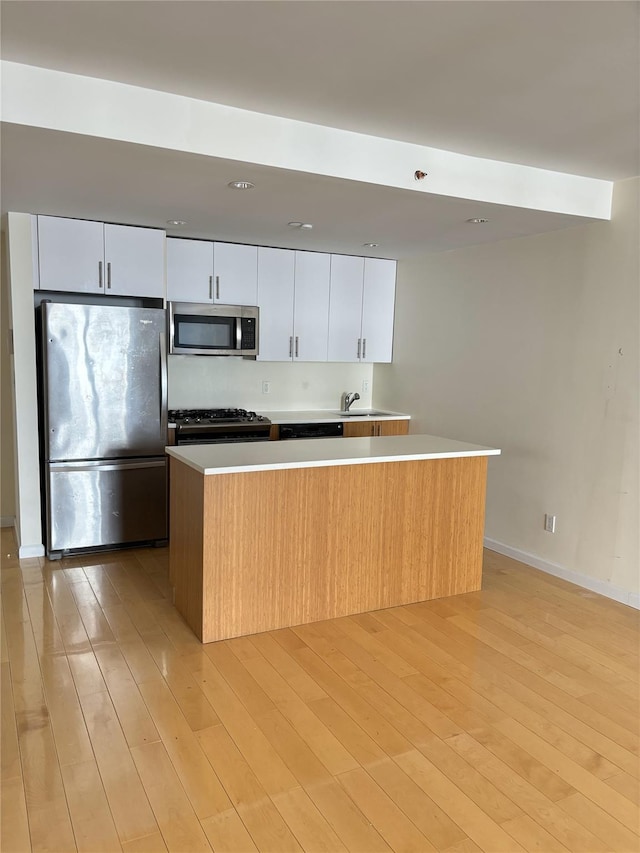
<point x="238" y="333"/>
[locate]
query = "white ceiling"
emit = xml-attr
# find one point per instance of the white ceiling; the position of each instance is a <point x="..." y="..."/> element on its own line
<point x="547" y="84"/>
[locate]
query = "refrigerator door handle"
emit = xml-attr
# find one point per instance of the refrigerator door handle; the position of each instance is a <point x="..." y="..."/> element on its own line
<point x="163" y="389"/>
<point x="106" y="466"/>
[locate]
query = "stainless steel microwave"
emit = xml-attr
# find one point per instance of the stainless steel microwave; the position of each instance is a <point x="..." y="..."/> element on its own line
<point x="210" y="329"/>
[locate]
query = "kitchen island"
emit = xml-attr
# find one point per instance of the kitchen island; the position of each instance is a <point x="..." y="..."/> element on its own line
<point x="268" y="535"/>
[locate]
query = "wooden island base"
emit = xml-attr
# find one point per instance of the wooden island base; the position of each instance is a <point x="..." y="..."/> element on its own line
<point x="255" y="551"/>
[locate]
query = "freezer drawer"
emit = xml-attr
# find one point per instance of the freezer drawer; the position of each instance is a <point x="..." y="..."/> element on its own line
<point x="90" y="504"/>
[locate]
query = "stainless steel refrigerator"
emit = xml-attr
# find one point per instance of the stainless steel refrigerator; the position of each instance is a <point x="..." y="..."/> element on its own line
<point x="103" y="387"/>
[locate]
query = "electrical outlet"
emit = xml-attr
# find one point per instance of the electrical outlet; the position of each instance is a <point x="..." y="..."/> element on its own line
<point x="266" y="387"/>
<point x="365" y="386"/>
<point x="549" y="523"/>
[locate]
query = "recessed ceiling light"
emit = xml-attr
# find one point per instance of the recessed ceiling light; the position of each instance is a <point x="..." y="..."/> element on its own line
<point x="477" y="221"/>
<point x="370" y="245"/>
<point x="300" y="225"/>
<point x="176" y="222"/>
<point x="241" y="185"/>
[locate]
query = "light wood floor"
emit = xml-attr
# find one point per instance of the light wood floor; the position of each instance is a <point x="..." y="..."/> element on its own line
<point x="503" y="720"/>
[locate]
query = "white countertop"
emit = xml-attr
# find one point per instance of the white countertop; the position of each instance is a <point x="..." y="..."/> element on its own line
<point x="326" y="416"/>
<point x="321" y="453"/>
<point x="331" y="416"/>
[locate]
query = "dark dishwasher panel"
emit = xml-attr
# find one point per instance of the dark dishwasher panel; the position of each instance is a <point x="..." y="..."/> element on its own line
<point x="312" y="430"/>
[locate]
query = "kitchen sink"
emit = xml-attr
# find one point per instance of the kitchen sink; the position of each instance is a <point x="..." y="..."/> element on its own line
<point x="363" y="413"/>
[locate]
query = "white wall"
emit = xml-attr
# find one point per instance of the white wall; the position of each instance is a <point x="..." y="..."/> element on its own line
<point x="7" y="457"/>
<point x="531" y="345"/>
<point x="25" y="412"/>
<point x="209" y="382"/>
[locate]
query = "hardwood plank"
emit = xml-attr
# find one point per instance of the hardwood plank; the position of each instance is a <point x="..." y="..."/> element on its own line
<point x="93" y="825"/>
<point x="546" y="717"/>
<point x="10" y="766"/>
<point x="470" y="817"/>
<point x="69" y="731"/>
<point x="265" y="762"/>
<point x="260" y="816"/>
<point x="346" y="820"/>
<point x="383" y="814"/>
<point x="532" y="801"/>
<point x="128" y="802"/>
<point x="178" y="823"/>
<point x="600" y="823"/>
<point x="320" y="740"/>
<point x="592" y="787"/>
<point x="14" y="825"/>
<point x="47" y="811"/>
<point x="626" y="785"/>
<point x="532" y="836"/>
<point x="432" y="821"/>
<point x="227" y="833"/>
<point x="134" y="717"/>
<point x="86" y="673"/>
<point x="147" y="844"/>
<point x="196" y="775"/>
<point x="91" y="613"/>
<point x="307" y="824"/>
<point x="301" y="761"/>
<point x="193" y="703"/>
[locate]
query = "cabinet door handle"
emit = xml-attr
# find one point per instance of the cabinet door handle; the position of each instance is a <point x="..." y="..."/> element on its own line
<point x="100" y="284"/>
<point x="364" y="347"/>
<point x="217" y="287"/>
<point x="358" y="355"/>
<point x="210" y="287"/>
<point x="109" y="275"/>
<point x="291" y="346"/>
<point x="297" y="345"/>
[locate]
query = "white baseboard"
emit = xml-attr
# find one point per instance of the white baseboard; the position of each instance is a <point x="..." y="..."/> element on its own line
<point x="26" y="551"/>
<point x="601" y="587"/>
<point x="7" y="521"/>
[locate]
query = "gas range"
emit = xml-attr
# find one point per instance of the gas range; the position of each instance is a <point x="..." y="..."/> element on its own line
<point x="219" y="426"/>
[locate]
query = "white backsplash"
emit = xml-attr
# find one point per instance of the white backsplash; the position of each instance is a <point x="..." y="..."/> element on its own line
<point x="209" y="382"/>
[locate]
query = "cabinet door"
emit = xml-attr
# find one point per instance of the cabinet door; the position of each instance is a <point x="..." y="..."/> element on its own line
<point x="71" y="254"/>
<point x="135" y="261"/>
<point x="345" y="308"/>
<point x="359" y="429"/>
<point x="392" y="427"/>
<point x="377" y="309"/>
<point x="275" y="300"/>
<point x="311" y="306"/>
<point x="189" y="270"/>
<point x="235" y="270"/>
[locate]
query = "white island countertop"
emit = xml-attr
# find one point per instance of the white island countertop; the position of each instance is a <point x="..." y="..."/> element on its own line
<point x="321" y="453"/>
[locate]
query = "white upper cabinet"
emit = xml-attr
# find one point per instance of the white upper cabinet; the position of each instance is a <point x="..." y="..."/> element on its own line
<point x="361" y="309"/>
<point x="205" y="271"/>
<point x="293" y="296"/>
<point x="345" y="308"/>
<point x="71" y="255"/>
<point x="135" y="261"/>
<point x="91" y="257"/>
<point x="189" y="270"/>
<point x="275" y="300"/>
<point x="311" y="306"/>
<point x="378" y="301"/>
<point x="235" y="271"/>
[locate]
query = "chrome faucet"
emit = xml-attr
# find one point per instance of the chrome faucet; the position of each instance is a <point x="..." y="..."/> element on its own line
<point x="348" y="398"/>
